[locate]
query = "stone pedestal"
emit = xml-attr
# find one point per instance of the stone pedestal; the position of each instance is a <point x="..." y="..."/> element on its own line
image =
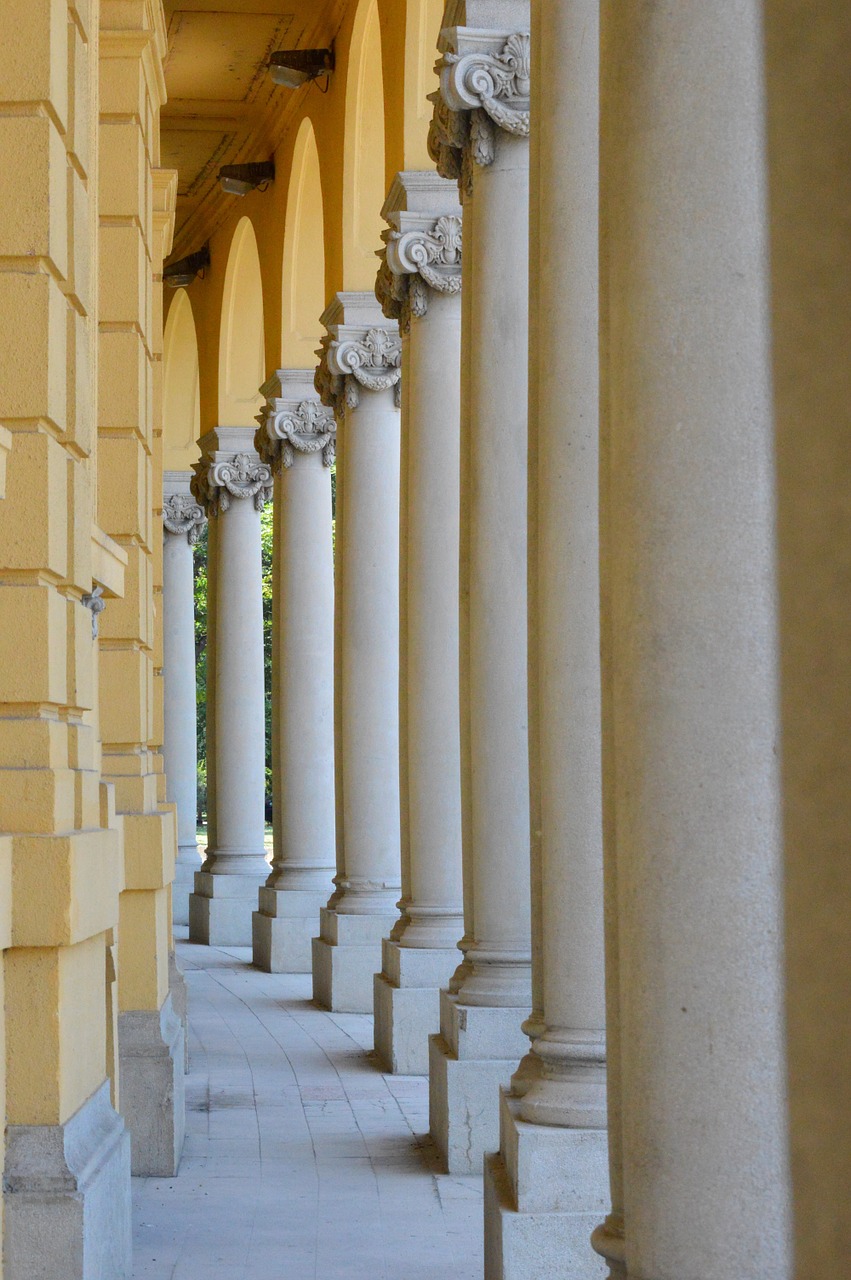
<point x="296" y="438"/>
<point x="183" y="521"/>
<point x="232" y="484"/>
<point x="470" y="1060"/>
<point x="419" y="284"/>
<point x="544" y="1192"/>
<point x="480" y="135"/>
<point x="346" y="955"/>
<point x="67" y="1197"/>
<point x="358" y="377"/>
<point x="151" y="1054"/>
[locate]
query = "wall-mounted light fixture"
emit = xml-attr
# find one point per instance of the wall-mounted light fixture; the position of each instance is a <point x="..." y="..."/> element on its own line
<point x="295" y="67"/>
<point x="180" y="274"/>
<point x="239" y="179"/>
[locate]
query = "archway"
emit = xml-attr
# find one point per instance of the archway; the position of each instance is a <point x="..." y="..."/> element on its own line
<point x="181" y="387"/>
<point x="304" y="256"/>
<point x="242" y="360"/>
<point x="422" y="27"/>
<point x="364" y="179"/>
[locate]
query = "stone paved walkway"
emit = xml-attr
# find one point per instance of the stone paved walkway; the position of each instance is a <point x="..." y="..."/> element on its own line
<point x="302" y="1161"/>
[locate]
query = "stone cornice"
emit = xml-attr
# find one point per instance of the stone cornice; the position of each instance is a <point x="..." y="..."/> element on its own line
<point x="484" y="89"/>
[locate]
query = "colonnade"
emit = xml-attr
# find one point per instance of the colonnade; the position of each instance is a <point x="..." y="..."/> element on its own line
<point x="450" y="747"/>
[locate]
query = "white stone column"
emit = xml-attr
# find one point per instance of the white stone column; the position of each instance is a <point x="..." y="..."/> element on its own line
<point x="296" y="438"/>
<point x="183" y="521"/>
<point x="419" y="284"/>
<point x="694" y="668"/>
<point x="233" y="484"/>
<point x="359" y="376"/>
<point x="480" y="133"/>
<point x="549" y="1178"/>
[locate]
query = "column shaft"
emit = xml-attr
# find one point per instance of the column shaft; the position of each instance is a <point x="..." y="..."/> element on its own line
<point x="419" y="283"/>
<point x="553" y="1154"/>
<point x="233" y="484"/>
<point x="297" y="437"/>
<point x="693" y="634"/>
<point x="485" y="79"/>
<point x="180" y="747"/>
<point x="358" y="377"/>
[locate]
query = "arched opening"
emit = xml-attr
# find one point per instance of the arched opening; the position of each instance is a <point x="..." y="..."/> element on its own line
<point x="304" y="256"/>
<point x="181" y="387"/>
<point x="242" y="360"/>
<point x="363" y="161"/>
<point x="422" y="28"/>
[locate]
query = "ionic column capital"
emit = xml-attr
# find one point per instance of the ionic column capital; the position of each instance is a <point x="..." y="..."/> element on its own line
<point x="421" y="253"/>
<point x="354" y="358"/>
<point x="292" y="426"/>
<point x="183" y="515"/>
<point x="484" y="89"/>
<point x="220" y="477"/>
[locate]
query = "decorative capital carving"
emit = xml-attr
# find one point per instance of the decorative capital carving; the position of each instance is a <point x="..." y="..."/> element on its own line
<point x="368" y="358"/>
<point x="219" y="479"/>
<point x="414" y="260"/>
<point x="94" y="601"/>
<point x="288" y="427"/>
<point x="182" y="514"/>
<point x="484" y="87"/>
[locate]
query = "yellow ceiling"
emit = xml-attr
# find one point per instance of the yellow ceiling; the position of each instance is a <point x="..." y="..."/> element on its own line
<point x="219" y="94"/>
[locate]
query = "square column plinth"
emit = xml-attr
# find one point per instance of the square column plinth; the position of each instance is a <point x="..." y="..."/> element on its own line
<point x="284" y="928"/>
<point x="346" y="957"/>
<point x="546" y="1189"/>
<point x="221" y="908"/>
<point x="152" y="1073"/>
<point x="475" y="1054"/>
<point x="67" y="1197"/>
<point x="407" y="1004"/>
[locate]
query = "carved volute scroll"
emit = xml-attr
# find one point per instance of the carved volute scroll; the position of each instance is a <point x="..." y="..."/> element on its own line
<point x="484" y="88"/>
<point x="183" y="515"/>
<point x="361" y="358"/>
<point x="416" y="259"/>
<point x="219" y="479"/>
<point x="289" y="427"/>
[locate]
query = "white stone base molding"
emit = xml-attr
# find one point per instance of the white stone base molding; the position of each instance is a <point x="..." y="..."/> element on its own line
<point x="545" y="1190"/>
<point x="152" y="1069"/>
<point x="345" y="958"/>
<point x="407" y="1003"/>
<point x="474" y="1056"/>
<point x="284" y="927"/>
<point x="67" y="1197"/>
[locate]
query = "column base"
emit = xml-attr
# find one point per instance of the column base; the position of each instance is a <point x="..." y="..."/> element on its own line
<point x="179" y="993"/>
<point x="151" y="1064"/>
<point x="546" y="1190"/>
<point x="475" y="1054"/>
<point x="185" y="869"/>
<point x="67" y="1197"/>
<point x="406" y="997"/>
<point x="284" y="928"/>
<point x="346" y="957"/>
<point x="221" y="908"/>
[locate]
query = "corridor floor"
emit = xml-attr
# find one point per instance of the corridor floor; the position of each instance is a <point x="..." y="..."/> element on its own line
<point x="302" y="1160"/>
